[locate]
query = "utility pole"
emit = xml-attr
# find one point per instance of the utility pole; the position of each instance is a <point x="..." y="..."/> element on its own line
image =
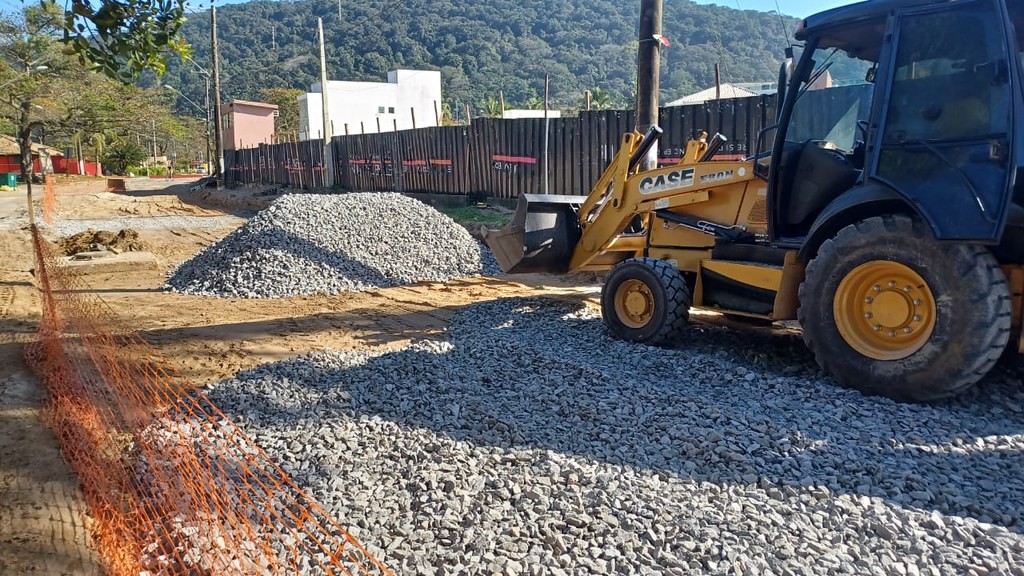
<point x="273" y="38"/>
<point x="648" y="72"/>
<point x="209" y="150"/>
<point x="154" y="143"/>
<point x="328" y="175"/>
<point x="218" y="132"/>
<point x="718" y="82"/>
<point x="547" y="129"/>
<point x="339" y="9"/>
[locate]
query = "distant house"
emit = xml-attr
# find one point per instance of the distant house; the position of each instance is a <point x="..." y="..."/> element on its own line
<point x="728" y="91"/>
<point x="44" y="158"/>
<point x="248" y="124"/>
<point x="370" y="107"/>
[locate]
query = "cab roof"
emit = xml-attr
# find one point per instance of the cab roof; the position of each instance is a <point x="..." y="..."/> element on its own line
<point x="856" y="12"/>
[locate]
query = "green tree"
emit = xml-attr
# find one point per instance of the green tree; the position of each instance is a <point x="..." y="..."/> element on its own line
<point x="492" y="108"/>
<point x="120" y="156"/>
<point x="48" y="91"/>
<point x="534" y="103"/>
<point x="123" y="38"/>
<point x="600" y="99"/>
<point x="286" y="126"/>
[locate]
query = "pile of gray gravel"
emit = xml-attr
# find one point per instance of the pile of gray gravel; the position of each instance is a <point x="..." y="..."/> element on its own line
<point x="325" y="244"/>
<point x="531" y="442"/>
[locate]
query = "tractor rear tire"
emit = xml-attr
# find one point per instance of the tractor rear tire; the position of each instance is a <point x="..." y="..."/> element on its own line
<point x="645" y="300"/>
<point x="890" y="311"/>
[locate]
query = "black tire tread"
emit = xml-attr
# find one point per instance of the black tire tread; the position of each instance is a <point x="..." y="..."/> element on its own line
<point x="989" y="332"/>
<point x="678" y="295"/>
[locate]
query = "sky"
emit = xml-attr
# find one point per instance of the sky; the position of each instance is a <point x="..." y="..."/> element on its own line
<point x="798" y="8"/>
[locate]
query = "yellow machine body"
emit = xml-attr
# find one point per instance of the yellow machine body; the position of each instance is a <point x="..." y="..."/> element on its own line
<point x="631" y="214"/>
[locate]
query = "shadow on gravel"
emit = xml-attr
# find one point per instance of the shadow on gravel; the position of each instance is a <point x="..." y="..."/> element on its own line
<point x="724" y="406"/>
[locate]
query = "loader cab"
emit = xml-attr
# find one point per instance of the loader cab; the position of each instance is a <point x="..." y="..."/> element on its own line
<point x="907" y="103"/>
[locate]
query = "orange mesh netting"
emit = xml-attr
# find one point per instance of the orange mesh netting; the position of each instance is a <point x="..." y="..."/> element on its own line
<point x="173" y="485"/>
<point x="49" y="200"/>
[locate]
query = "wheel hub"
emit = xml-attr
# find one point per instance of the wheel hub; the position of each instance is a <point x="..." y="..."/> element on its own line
<point x="634" y="303"/>
<point x="884" y="310"/>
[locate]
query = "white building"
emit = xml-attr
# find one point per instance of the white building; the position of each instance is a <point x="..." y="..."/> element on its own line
<point x="391" y="102"/>
<point x="516" y="114"/>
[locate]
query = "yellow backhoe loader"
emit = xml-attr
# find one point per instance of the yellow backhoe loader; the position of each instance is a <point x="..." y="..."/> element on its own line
<point x="886" y="216"/>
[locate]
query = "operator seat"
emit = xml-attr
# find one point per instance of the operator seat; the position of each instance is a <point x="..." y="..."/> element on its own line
<point x="822" y="174"/>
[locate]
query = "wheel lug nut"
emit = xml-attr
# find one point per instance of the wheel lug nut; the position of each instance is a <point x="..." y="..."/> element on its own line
<point x="908" y="289"/>
<point x="892" y="283"/>
<point x="892" y="333"/>
<point x="908" y="330"/>
<point x="867" y="314"/>
<point x="869" y="300"/>
<point x="878" y="288"/>
<point x="878" y="328"/>
<point x="917" y="318"/>
<point x="917" y="302"/>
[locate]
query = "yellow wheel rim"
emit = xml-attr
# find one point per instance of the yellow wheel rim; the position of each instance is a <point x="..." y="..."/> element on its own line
<point x="884" y="310"/>
<point x="634" y="303"/>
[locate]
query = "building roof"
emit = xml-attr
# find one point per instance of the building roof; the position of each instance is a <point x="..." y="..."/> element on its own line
<point x="9" y="147"/>
<point x="250" y="103"/>
<point x="728" y="91"/>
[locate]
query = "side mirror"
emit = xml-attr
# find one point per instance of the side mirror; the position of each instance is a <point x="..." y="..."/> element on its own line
<point x="787" y="64"/>
<point x="871" y="75"/>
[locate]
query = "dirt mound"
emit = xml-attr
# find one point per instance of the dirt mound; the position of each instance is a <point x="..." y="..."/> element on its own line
<point x="126" y="240"/>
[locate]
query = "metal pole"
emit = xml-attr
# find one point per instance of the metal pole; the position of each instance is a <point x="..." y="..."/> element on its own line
<point x="547" y="131"/>
<point x="718" y="82"/>
<point x="647" y="73"/>
<point x="209" y="145"/>
<point x="325" y="104"/>
<point x="218" y="132"/>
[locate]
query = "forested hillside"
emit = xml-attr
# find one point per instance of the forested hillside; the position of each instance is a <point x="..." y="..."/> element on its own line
<point x="482" y="46"/>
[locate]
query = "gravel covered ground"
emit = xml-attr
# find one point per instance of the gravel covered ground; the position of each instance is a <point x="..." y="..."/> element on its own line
<point x="69" y="227"/>
<point x="532" y="442"/>
<point x="309" y="244"/>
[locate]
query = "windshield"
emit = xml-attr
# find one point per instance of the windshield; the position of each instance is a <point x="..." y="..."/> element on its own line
<point x="835" y="95"/>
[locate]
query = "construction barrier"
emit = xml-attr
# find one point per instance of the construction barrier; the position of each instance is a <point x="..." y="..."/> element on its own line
<point x="49" y="200"/>
<point x="504" y="158"/>
<point x="173" y="486"/>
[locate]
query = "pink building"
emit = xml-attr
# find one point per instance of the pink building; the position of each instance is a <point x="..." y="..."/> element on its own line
<point x="248" y="124"/>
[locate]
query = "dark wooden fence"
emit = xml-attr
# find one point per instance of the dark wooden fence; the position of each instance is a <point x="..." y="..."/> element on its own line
<point x="504" y="158"/>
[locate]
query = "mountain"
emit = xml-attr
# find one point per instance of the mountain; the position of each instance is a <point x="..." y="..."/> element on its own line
<point x="481" y="46"/>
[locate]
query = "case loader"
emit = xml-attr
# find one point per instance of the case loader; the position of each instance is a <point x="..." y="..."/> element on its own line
<point x="882" y="209"/>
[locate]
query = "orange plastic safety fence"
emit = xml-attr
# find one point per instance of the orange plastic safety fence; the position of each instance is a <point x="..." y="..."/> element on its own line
<point x="49" y="200"/>
<point x="173" y="485"/>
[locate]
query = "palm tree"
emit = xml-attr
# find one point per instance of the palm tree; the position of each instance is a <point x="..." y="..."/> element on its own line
<point x="600" y="99"/>
<point x="492" y="108"/>
<point x="534" y="103"/>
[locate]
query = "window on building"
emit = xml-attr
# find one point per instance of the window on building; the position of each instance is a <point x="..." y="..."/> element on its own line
<point x="380" y="110"/>
<point x="391" y="110"/>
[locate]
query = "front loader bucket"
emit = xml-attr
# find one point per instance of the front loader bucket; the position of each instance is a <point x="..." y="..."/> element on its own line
<point x="541" y="237"/>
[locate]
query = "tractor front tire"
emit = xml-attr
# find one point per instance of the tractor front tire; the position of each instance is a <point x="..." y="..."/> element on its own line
<point x="645" y="300"/>
<point x="888" y="310"/>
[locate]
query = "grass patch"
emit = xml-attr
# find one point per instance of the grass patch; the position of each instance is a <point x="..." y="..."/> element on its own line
<point x="479" y="215"/>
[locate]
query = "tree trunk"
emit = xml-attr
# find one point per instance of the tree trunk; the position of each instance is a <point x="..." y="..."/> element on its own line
<point x="25" y="148"/>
